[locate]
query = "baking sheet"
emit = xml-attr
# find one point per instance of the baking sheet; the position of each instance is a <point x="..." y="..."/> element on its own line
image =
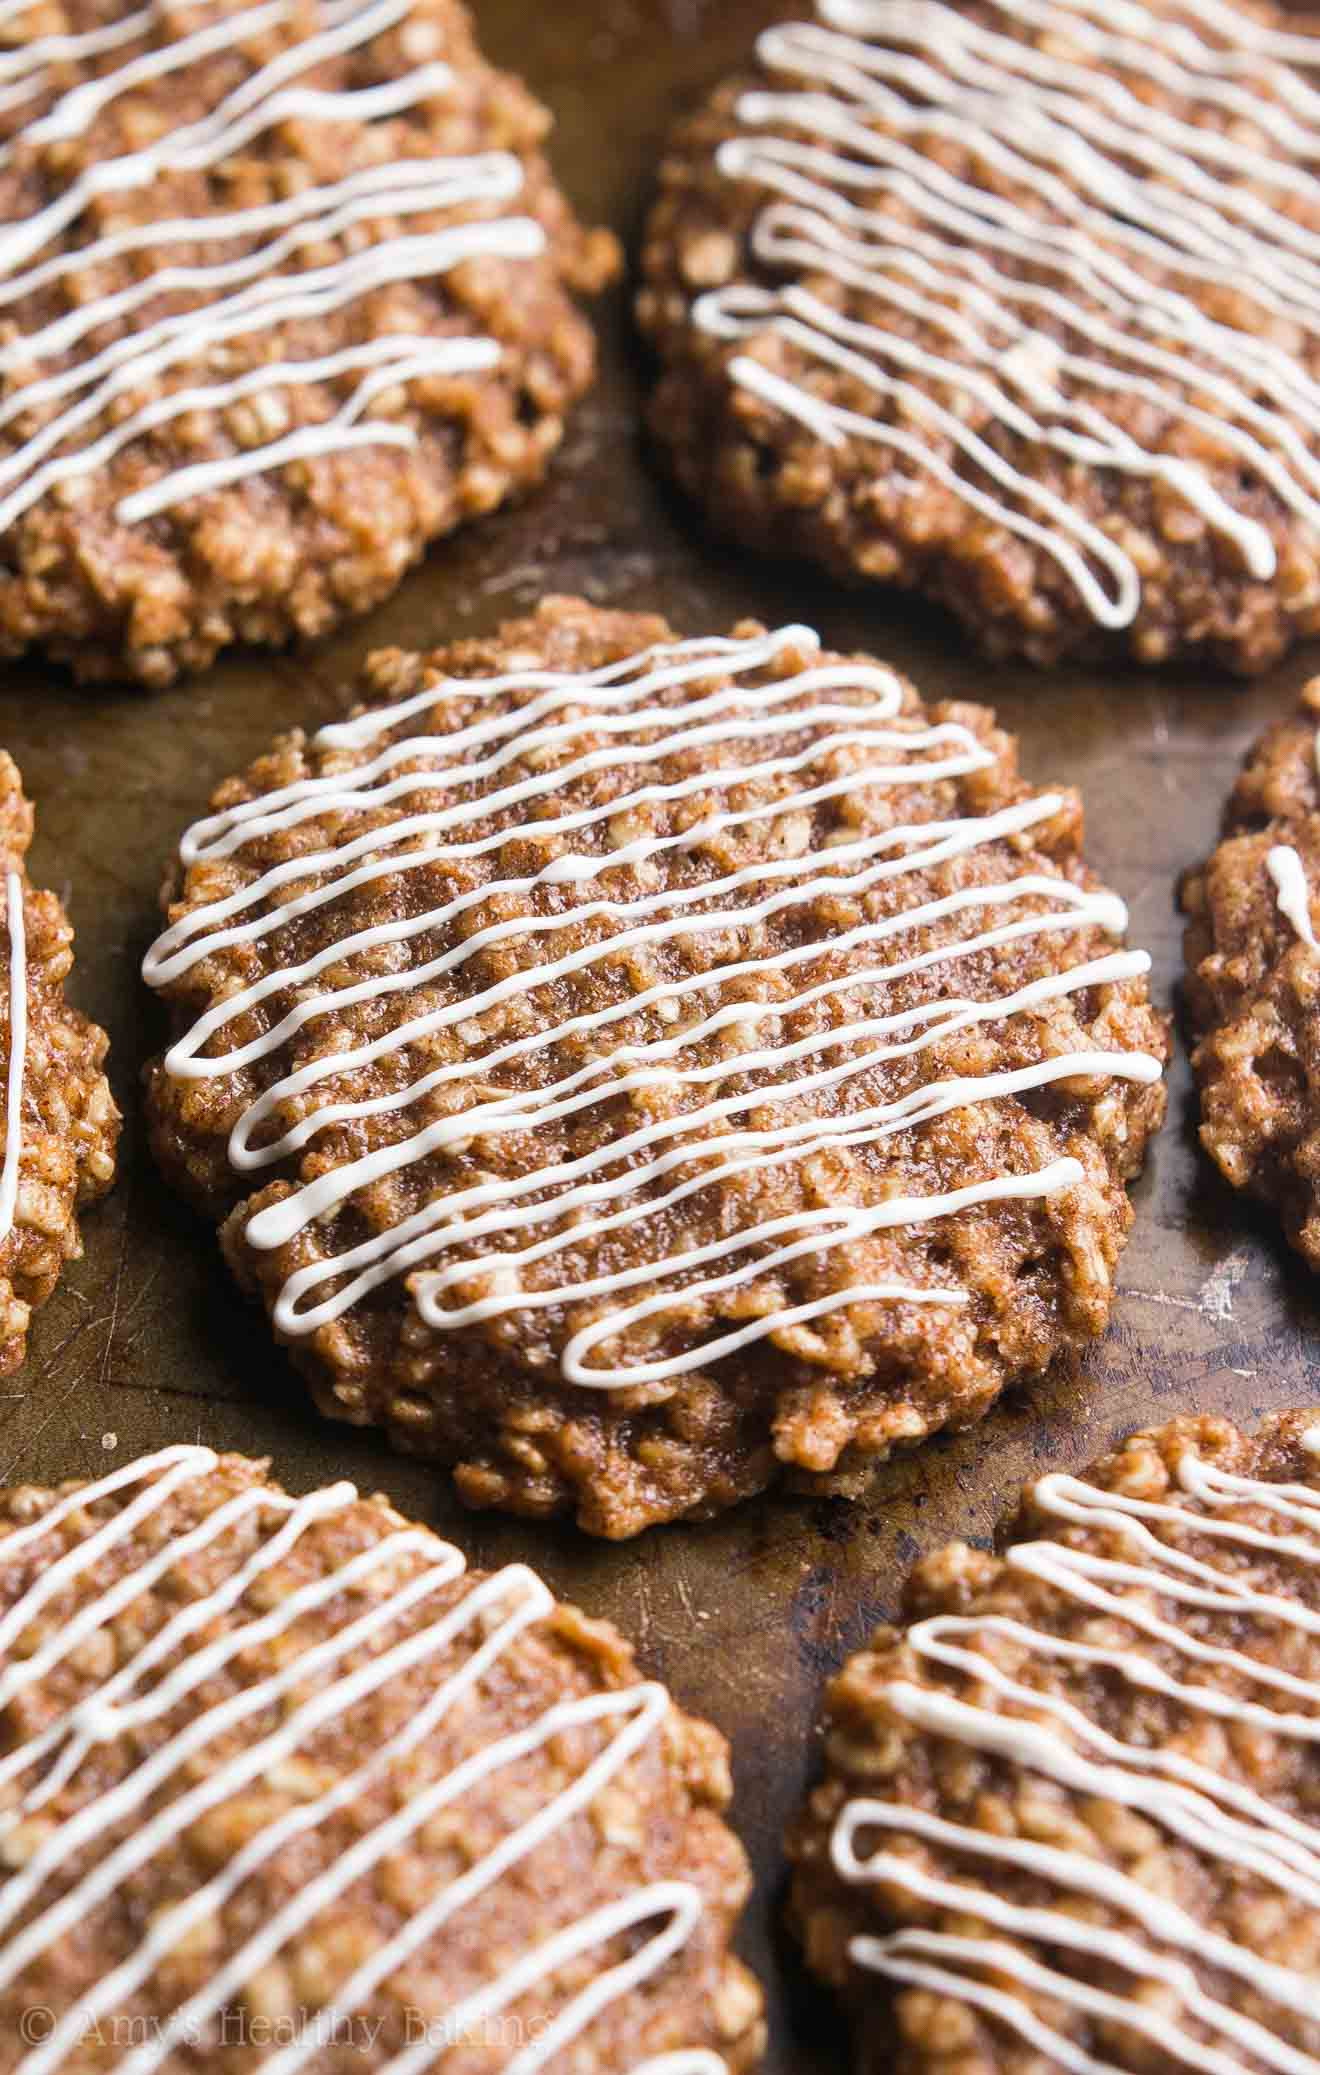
<point x="146" y="1342"/>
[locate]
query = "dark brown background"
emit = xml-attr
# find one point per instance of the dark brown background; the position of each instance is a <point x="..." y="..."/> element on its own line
<point x="146" y="1341"/>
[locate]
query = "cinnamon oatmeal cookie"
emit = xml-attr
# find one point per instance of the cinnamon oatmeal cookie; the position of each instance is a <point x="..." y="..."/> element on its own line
<point x="60" y="1123"/>
<point x="634" y="1069"/>
<point x="287" y="1788"/>
<point x="1010" y="302"/>
<point x="631" y="1069"/>
<point x="1253" y="978"/>
<point x="1070" y="1817"/>
<point x="284" y="295"/>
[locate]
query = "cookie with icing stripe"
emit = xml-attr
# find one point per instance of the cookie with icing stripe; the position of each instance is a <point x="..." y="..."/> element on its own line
<point x="1253" y="978"/>
<point x="285" y="293"/>
<point x="58" y="1116"/>
<point x="1070" y="1813"/>
<point x="287" y="1787"/>
<point x="1015" y="303"/>
<point x="635" y="1069"/>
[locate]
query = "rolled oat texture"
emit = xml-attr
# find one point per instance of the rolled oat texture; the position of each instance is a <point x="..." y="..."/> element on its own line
<point x="1068" y="1815"/>
<point x="1253" y="979"/>
<point x="634" y="1070"/>
<point x="287" y="293"/>
<point x="60" y="1122"/>
<point x="1010" y="304"/>
<point x="288" y="1788"/>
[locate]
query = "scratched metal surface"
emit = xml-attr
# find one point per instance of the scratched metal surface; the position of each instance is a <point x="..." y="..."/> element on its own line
<point x="145" y="1341"/>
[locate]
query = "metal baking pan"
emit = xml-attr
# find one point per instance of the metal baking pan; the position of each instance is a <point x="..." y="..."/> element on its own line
<point x="145" y="1341"/>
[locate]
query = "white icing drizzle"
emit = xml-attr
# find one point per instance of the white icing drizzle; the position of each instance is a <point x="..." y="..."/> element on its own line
<point x="166" y="1791"/>
<point x="17" y="1051"/>
<point x="1224" y="1820"/>
<point x="1291" y="891"/>
<point x="1117" y="192"/>
<point x="24" y="71"/>
<point x="231" y="297"/>
<point x="528" y="756"/>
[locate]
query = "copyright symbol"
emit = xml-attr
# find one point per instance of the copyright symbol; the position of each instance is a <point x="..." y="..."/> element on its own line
<point x="36" y="2024"/>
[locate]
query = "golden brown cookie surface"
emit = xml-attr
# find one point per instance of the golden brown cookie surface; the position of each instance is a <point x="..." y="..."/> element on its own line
<point x="1253" y="978"/>
<point x="1010" y="303"/>
<point x="634" y="1069"/>
<point x="1070" y="1812"/>
<point x="57" y="1114"/>
<point x="287" y="1788"/>
<point x="284" y="295"/>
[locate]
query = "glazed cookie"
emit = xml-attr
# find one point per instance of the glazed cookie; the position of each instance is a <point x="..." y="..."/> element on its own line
<point x="1011" y="302"/>
<point x="283" y="296"/>
<point x="633" y="1069"/>
<point x="1069" y="1812"/>
<point x="60" y="1122"/>
<point x="1253" y="979"/>
<point x="288" y="1788"/>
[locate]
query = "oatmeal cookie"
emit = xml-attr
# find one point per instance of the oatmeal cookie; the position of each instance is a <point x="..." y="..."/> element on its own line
<point x="1009" y="302"/>
<point x="1253" y="978"/>
<point x="284" y="295"/>
<point x="59" y="1119"/>
<point x="1069" y="1816"/>
<point x="289" y="1788"/>
<point x="632" y="1069"/>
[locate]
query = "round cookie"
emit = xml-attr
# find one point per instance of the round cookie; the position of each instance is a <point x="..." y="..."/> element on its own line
<point x="1010" y="302"/>
<point x="284" y="295"/>
<point x="60" y="1123"/>
<point x="287" y="1788"/>
<point x="1070" y="1815"/>
<point x="632" y="1069"/>
<point x="1253" y="978"/>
